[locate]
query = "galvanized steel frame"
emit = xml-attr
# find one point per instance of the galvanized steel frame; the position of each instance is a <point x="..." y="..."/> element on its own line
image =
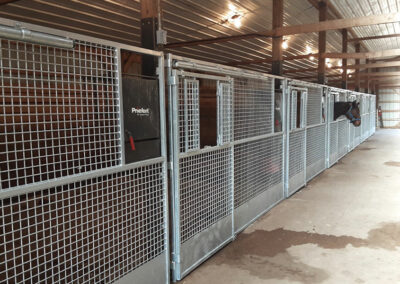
<point x="157" y="269"/>
<point x="177" y="66"/>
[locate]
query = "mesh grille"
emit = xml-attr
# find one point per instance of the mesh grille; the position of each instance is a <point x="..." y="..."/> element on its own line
<point x="94" y="231"/>
<point x="296" y="152"/>
<point x="189" y="114"/>
<point x="352" y="136"/>
<point x="314" y="107"/>
<point x="59" y="111"/>
<point x="343" y="136"/>
<point x="225" y="119"/>
<point x="205" y="191"/>
<point x="258" y="166"/>
<point x="315" y="150"/>
<point x="253" y="107"/>
<point x="333" y="142"/>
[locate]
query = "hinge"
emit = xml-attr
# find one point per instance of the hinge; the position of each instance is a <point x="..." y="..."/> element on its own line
<point x="172" y="80"/>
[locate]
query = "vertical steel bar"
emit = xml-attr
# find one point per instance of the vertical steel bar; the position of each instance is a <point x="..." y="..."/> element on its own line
<point x="121" y="105"/>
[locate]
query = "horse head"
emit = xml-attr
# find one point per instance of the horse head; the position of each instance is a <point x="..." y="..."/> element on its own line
<point x="353" y="114"/>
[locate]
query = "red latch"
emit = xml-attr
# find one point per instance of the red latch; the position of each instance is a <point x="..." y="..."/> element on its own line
<point x="132" y="143"/>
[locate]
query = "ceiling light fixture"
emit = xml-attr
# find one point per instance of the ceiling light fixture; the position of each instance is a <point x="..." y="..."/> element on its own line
<point x="285" y="44"/>
<point x="233" y="16"/>
<point x="312" y="57"/>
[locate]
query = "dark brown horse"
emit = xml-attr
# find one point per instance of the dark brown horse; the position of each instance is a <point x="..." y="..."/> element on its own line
<point x="350" y="109"/>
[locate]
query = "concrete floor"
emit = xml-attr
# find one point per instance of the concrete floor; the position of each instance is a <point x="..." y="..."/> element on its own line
<point x="344" y="227"/>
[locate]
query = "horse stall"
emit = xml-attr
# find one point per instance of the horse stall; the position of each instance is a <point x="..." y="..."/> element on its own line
<point x="82" y="188"/>
<point x="337" y="129"/>
<point x="306" y="136"/>
<point x="226" y="146"/>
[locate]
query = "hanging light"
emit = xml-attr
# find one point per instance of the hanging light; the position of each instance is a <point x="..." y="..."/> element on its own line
<point x="312" y="57"/>
<point x="341" y="71"/>
<point x="237" y="22"/>
<point x="340" y="63"/>
<point x="308" y="49"/>
<point x="233" y="16"/>
<point x="285" y="44"/>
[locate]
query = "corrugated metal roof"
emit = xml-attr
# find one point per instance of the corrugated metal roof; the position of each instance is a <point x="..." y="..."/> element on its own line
<point x="119" y="20"/>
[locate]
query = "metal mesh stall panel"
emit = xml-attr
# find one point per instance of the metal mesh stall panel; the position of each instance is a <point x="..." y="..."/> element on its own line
<point x="225" y="119"/>
<point x="315" y="150"/>
<point x="314" y="105"/>
<point x="205" y="191"/>
<point x="343" y="137"/>
<point x="258" y="166"/>
<point x="352" y="137"/>
<point x="296" y="159"/>
<point x="357" y="136"/>
<point x="189" y="114"/>
<point x="90" y="231"/>
<point x="333" y="143"/>
<point x="253" y="107"/>
<point x="59" y="111"/>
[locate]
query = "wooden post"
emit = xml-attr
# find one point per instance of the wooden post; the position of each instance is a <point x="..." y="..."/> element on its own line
<point x="148" y="28"/>
<point x="344" y="60"/>
<point x="367" y="61"/>
<point x="277" y="52"/>
<point x="377" y="95"/>
<point x="357" y="73"/>
<point x="323" y="9"/>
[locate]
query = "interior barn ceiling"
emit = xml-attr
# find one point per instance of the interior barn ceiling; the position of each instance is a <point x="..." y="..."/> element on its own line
<point x="185" y="20"/>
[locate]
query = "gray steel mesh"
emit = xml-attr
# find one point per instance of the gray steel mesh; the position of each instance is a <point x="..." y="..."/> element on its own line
<point x="189" y="114"/>
<point x="333" y="142"/>
<point x="357" y="136"/>
<point x="90" y="231"/>
<point x="258" y="167"/>
<point x="315" y="150"/>
<point x="253" y="107"/>
<point x="59" y="111"/>
<point x="225" y="119"/>
<point x="352" y="136"/>
<point x="296" y="152"/>
<point x="314" y="105"/>
<point x="343" y="137"/>
<point x="205" y="191"/>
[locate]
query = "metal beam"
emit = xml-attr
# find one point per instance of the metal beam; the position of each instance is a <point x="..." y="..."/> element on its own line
<point x="305" y="28"/>
<point x="371" y="65"/>
<point x="364" y="55"/>
<point x="269" y="60"/>
<point x="358" y="39"/>
<point x="300" y="70"/>
<point x="214" y="40"/>
<point x="337" y="24"/>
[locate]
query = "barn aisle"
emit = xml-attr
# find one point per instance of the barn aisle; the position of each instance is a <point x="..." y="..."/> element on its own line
<point x="344" y="227"/>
